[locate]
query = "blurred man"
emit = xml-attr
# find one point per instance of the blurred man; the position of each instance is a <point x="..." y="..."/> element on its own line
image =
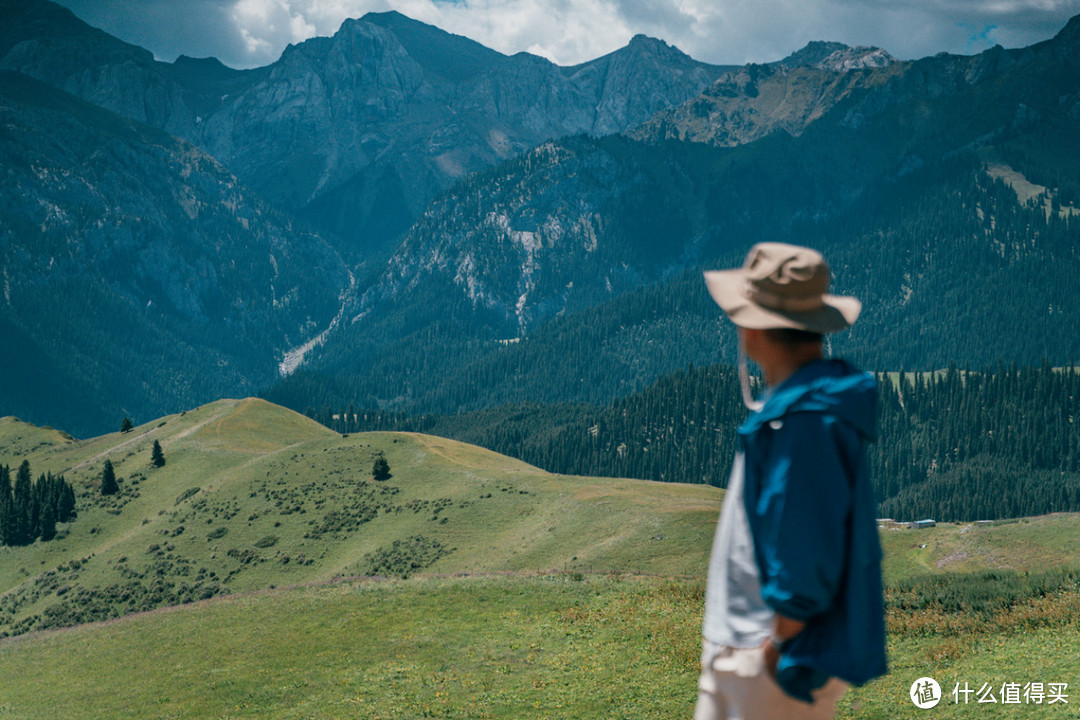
<point x="794" y="610"/>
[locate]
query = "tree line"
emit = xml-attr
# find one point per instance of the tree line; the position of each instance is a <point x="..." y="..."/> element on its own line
<point x="952" y="445"/>
<point x="30" y="510"/>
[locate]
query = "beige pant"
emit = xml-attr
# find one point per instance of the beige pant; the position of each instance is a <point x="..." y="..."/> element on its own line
<point x="734" y="685"/>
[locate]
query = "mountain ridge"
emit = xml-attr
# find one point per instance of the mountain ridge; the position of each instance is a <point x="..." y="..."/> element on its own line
<point x="532" y="244"/>
<point x="156" y="243"/>
<point x="339" y="176"/>
<point x="493" y="250"/>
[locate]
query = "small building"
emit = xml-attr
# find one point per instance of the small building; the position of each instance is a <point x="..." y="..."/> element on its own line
<point x="921" y="524"/>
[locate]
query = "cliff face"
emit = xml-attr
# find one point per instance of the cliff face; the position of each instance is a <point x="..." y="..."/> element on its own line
<point x="382" y="116"/>
<point x="359" y="131"/>
<point x="138" y="268"/>
<point x="858" y="87"/>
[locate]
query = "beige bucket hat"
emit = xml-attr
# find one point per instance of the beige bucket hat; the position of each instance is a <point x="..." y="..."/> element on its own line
<point x="782" y="286"/>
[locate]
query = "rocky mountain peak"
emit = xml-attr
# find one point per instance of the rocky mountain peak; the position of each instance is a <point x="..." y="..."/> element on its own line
<point x="1068" y="39"/>
<point x="837" y="57"/>
<point x="856" y="59"/>
<point x="814" y="52"/>
<point x="432" y="47"/>
<point x="644" y="42"/>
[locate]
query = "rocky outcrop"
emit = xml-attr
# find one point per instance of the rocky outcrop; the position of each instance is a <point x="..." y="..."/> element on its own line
<point x="137" y="265"/>
<point x="853" y="86"/>
<point x="361" y="130"/>
<point x="837" y="57"/>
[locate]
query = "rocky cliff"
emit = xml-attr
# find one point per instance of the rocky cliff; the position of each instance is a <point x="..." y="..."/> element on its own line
<point x="858" y="87"/>
<point x="137" y="271"/>
<point x="359" y="131"/>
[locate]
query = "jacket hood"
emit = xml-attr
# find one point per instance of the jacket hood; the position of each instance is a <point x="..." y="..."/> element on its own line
<point x="832" y="386"/>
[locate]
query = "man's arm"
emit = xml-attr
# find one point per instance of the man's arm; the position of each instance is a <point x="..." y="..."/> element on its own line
<point x="799" y="516"/>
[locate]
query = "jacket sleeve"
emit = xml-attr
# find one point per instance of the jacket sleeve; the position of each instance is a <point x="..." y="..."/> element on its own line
<point x="799" y="512"/>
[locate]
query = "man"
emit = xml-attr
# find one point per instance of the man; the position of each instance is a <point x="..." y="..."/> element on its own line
<point x="793" y="610"/>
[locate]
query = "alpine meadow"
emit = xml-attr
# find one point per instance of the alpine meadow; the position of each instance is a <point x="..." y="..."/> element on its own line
<point x="382" y="382"/>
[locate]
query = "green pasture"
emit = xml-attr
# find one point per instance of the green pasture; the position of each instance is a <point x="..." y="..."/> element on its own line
<point x="564" y="645"/>
<point x="262" y="573"/>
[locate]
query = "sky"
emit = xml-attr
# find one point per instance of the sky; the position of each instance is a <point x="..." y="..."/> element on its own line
<point x="252" y="33"/>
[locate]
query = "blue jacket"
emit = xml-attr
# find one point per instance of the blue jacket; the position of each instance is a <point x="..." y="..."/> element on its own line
<point x="811" y="511"/>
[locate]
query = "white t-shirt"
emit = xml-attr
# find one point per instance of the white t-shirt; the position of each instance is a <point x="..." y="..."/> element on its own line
<point x="735" y="614"/>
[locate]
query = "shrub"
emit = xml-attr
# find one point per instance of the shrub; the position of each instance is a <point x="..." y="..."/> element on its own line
<point x="186" y="494"/>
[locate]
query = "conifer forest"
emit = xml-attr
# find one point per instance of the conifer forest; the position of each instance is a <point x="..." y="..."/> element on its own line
<point x="952" y="445"/>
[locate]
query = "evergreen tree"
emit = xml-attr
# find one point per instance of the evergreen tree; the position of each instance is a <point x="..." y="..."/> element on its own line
<point x="46" y="529"/>
<point x="380" y="469"/>
<point x="125" y="425"/>
<point x="7" y="508"/>
<point x="65" y="504"/>
<point x="22" y="496"/>
<point x="31" y="510"/>
<point x="109" y="486"/>
<point x="157" y="456"/>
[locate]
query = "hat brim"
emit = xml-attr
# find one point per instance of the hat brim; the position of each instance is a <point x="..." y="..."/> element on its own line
<point x="838" y="312"/>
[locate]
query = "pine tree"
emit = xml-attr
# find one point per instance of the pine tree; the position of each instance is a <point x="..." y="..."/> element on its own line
<point x="125" y="425"/>
<point x="22" y="496"/>
<point x="46" y="529"/>
<point x="109" y="486"/>
<point x="380" y="469"/>
<point x="65" y="504"/>
<point x="157" y="457"/>
<point x="7" y="508"/>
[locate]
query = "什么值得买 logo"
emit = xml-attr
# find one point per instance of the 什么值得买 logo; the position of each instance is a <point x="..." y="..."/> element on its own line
<point x="925" y="693"/>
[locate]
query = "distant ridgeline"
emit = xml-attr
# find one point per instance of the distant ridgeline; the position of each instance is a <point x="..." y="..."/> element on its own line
<point x="953" y="445"/>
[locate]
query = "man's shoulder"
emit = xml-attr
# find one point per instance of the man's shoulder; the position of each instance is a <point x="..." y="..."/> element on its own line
<point x="821" y="391"/>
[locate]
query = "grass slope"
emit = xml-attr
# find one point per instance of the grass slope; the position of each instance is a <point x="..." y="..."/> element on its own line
<point x="968" y="603"/>
<point x="254" y="496"/>
<point x="550" y="646"/>
<point x="1022" y="545"/>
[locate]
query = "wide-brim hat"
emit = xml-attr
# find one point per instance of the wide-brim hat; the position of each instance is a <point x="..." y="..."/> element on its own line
<point x="782" y="286"/>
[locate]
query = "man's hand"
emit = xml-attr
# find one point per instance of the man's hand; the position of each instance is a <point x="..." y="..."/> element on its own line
<point x="772" y="657"/>
<point x="784" y="629"/>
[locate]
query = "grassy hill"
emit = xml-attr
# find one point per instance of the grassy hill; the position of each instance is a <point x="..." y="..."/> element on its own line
<point x="254" y="496"/>
<point x="475" y="631"/>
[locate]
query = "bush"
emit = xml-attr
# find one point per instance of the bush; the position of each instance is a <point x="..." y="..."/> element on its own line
<point x="186" y="494"/>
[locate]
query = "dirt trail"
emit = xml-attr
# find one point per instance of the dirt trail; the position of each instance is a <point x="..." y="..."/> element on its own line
<point x="142" y="436"/>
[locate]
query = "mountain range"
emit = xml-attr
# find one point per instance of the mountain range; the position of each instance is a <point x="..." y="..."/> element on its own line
<point x="376" y="119"/>
<point x="402" y="218"/>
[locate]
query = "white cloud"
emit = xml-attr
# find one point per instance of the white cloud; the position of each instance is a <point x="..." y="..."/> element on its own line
<point x="246" y="33"/>
<point x="564" y="31"/>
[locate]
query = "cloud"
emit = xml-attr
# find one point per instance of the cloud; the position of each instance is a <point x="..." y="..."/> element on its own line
<point x="248" y="33"/>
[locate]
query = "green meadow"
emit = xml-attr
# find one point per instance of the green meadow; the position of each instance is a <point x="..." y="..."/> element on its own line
<point x="263" y="573"/>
